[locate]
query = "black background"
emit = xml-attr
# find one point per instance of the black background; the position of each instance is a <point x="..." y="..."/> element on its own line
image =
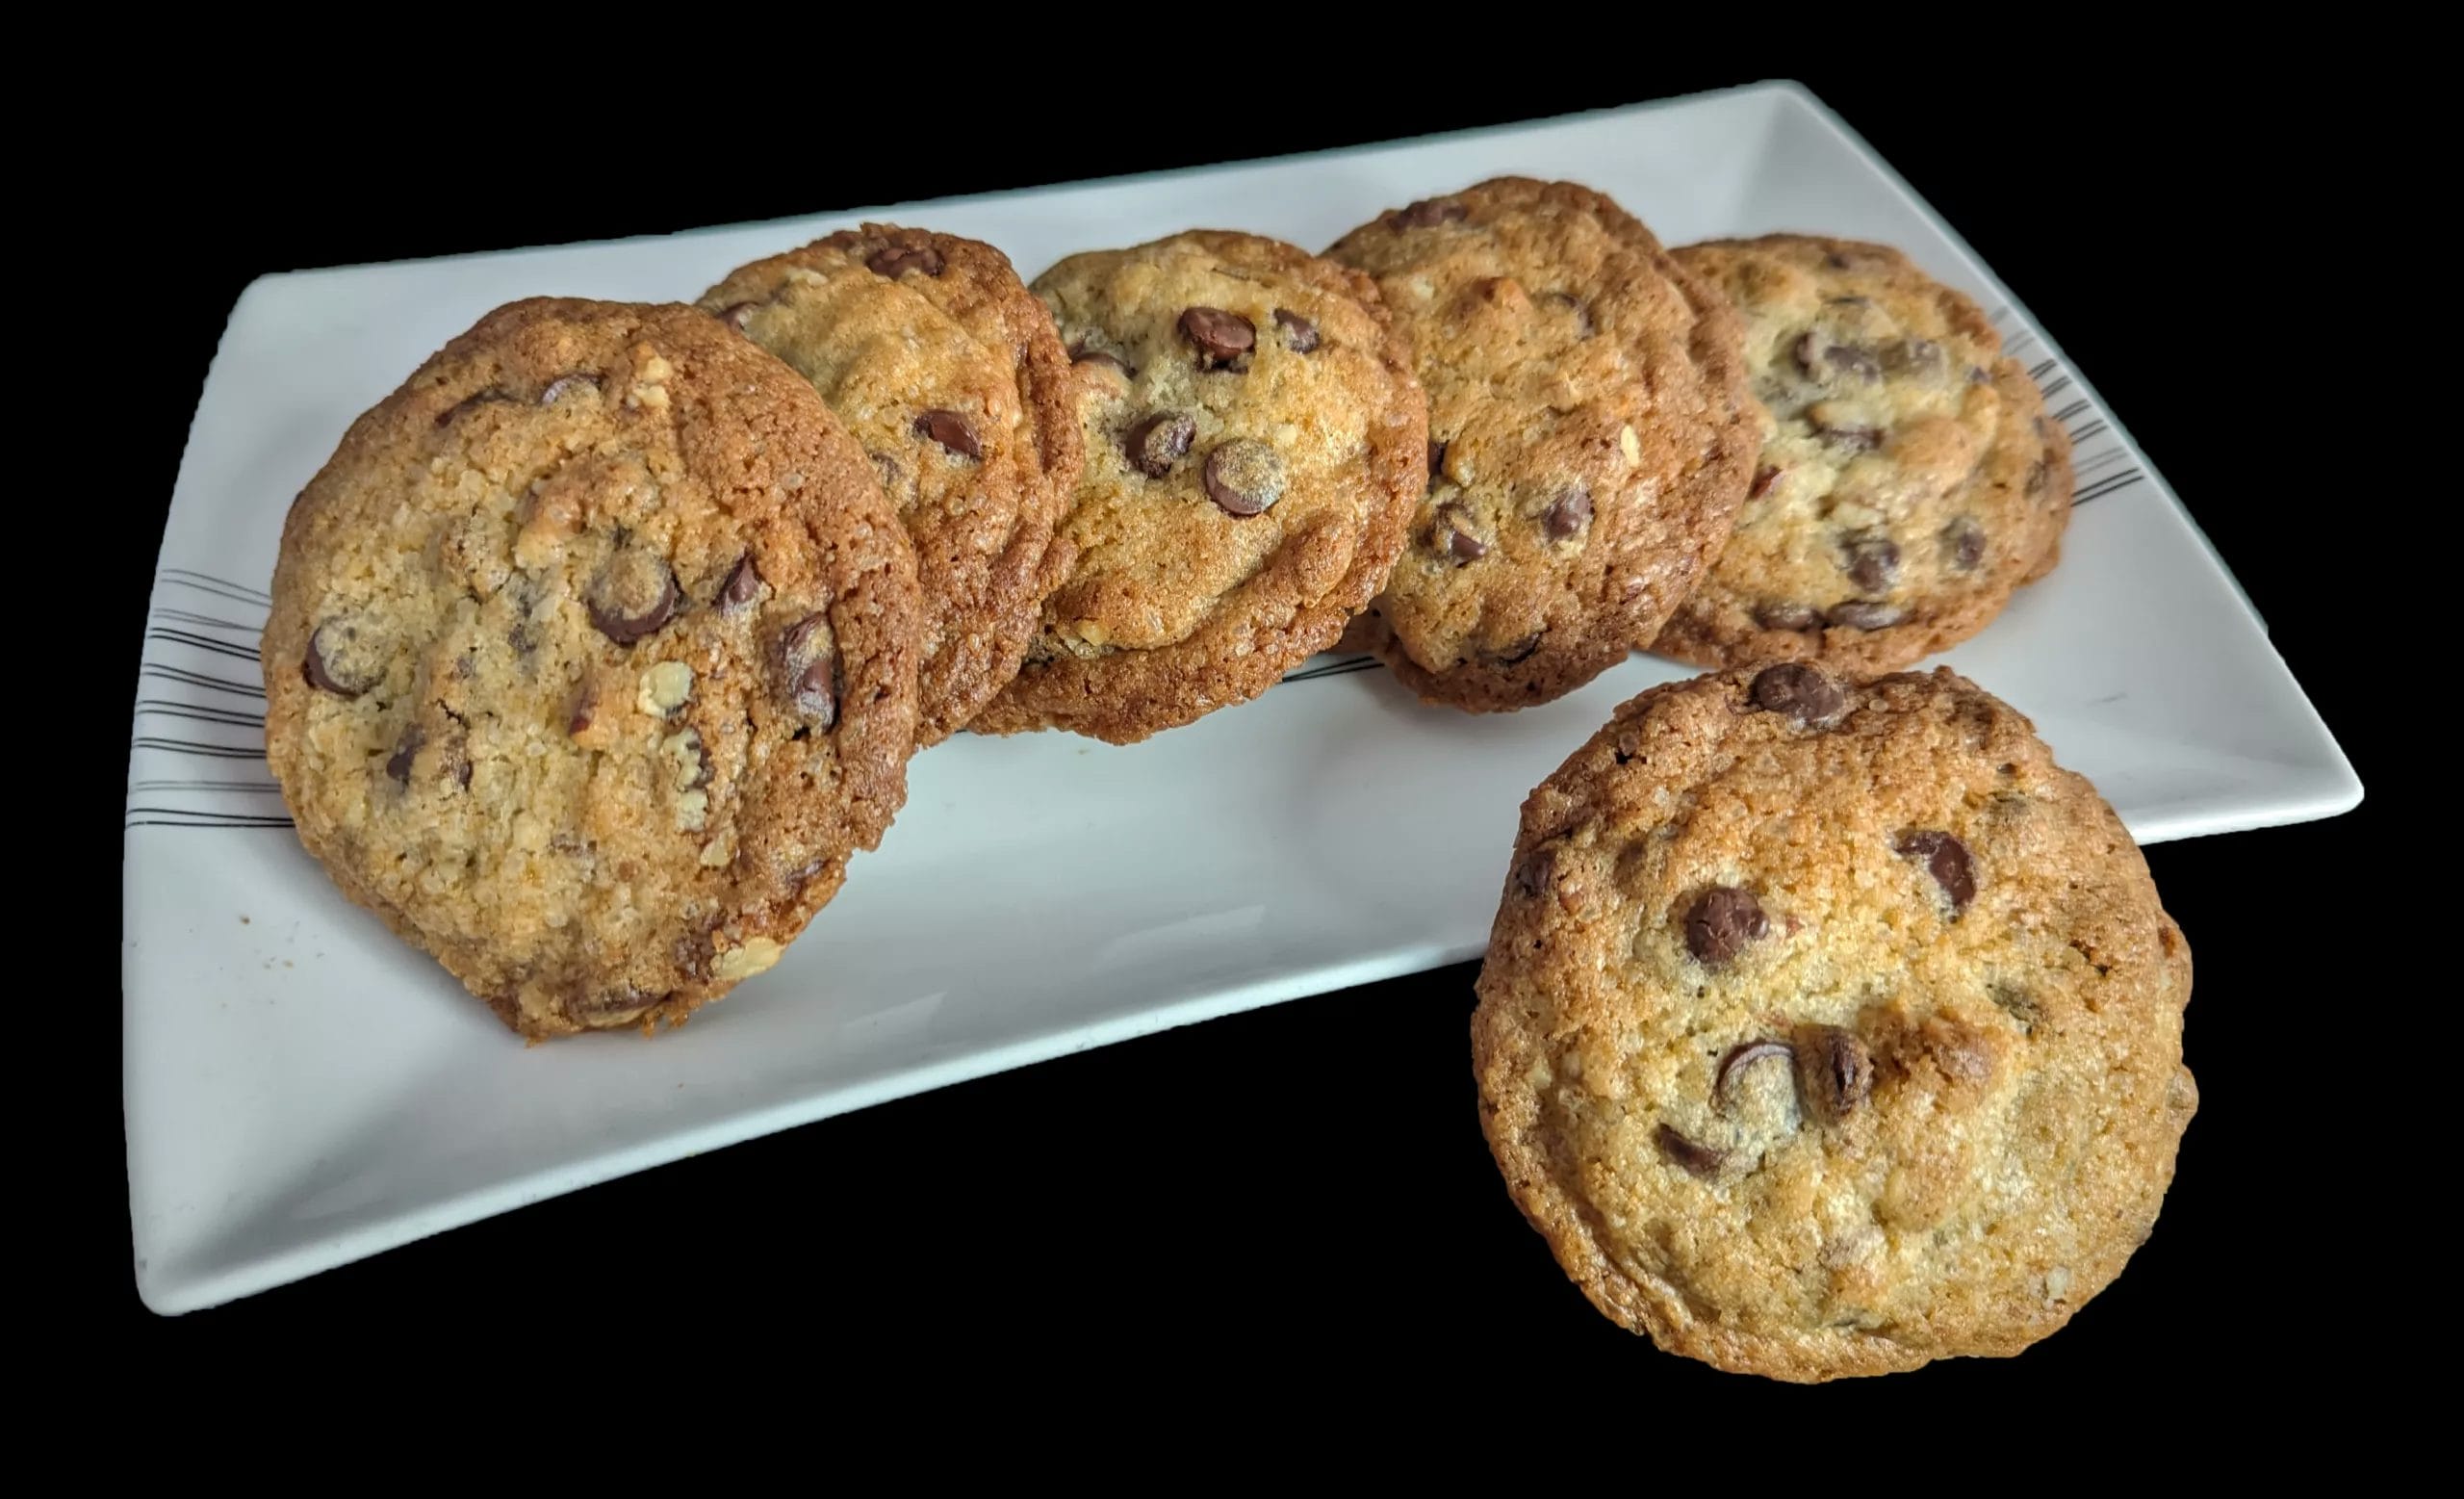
<point x="1304" y="1185"/>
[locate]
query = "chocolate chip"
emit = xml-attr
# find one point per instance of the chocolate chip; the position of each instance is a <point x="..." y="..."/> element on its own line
<point x="886" y="469"/>
<point x="743" y="585"/>
<point x="400" y="766"/>
<point x="1837" y="261"/>
<point x="334" y="663"/>
<point x="1917" y="356"/>
<point x="564" y="384"/>
<point x="1159" y="442"/>
<point x="735" y="314"/>
<point x="1946" y="858"/>
<point x="1243" y="475"/>
<point x="2017" y="1003"/>
<point x="1300" y="334"/>
<point x="1453" y="535"/>
<point x="1861" y="614"/>
<point x="1820" y="358"/>
<point x="1872" y="562"/>
<point x="1516" y="654"/>
<point x="2036" y="477"/>
<point x="1436" y="462"/>
<point x="1700" y="1160"/>
<point x="1740" y="1058"/>
<point x="1426" y="214"/>
<point x="1763" y="479"/>
<point x="1963" y="543"/>
<point x="469" y="403"/>
<point x="1221" y="337"/>
<point x="1786" y="616"/>
<point x="1537" y="873"/>
<point x="1849" y="301"/>
<point x="896" y="260"/>
<point x="1722" y="921"/>
<point x="1802" y="692"/>
<point x="1857" y="439"/>
<point x="1080" y="353"/>
<point x="951" y="431"/>
<point x="1978" y="375"/>
<point x="633" y="596"/>
<point x="1568" y="514"/>
<point x="811" y="670"/>
<point x="1570" y="302"/>
<point x="1835" y="1072"/>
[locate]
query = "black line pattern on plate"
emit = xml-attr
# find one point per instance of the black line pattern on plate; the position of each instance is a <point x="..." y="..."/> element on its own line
<point x="207" y="581"/>
<point x="201" y="642"/>
<point x="1341" y="666"/>
<point x="162" y="818"/>
<point x="2106" y="486"/>
<point x="265" y="787"/>
<point x="162" y="708"/>
<point x="199" y="678"/>
<point x="172" y="747"/>
<point x="209" y="622"/>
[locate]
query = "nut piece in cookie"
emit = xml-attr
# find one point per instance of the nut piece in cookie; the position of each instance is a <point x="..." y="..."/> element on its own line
<point x="1828" y="1027"/>
<point x="1591" y="437"/>
<point x="1254" y="447"/>
<point x="949" y="375"/>
<point x="1909" y="479"/>
<point x="592" y="659"/>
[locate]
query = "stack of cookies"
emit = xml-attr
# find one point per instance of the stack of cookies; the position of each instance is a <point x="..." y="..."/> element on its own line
<point x="601" y="646"/>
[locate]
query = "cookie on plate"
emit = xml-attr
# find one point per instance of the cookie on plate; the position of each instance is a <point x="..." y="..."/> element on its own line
<point x="1254" y="445"/>
<point x="1909" y="479"/>
<point x="1590" y="438"/>
<point x="1829" y="1028"/>
<point x="592" y="659"/>
<point x="947" y="371"/>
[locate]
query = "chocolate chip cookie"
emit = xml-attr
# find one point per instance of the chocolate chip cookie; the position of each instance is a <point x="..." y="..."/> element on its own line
<point x="1590" y="438"/>
<point x="1829" y="1028"/>
<point x="1255" y="445"/>
<point x="948" y="372"/>
<point x="1909" y="480"/>
<point x="592" y="659"/>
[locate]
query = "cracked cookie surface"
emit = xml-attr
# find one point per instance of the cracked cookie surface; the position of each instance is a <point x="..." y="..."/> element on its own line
<point x="1590" y="438"/>
<point x="947" y="371"/>
<point x="590" y="661"/>
<point x="1909" y="480"/>
<point x="1254" y="444"/>
<point x="1830" y="1029"/>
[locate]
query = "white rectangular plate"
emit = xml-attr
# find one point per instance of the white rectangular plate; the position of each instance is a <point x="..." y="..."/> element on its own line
<point x="302" y="1090"/>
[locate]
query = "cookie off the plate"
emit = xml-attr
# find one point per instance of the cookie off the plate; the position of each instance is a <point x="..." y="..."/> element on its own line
<point x="1830" y="1027"/>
